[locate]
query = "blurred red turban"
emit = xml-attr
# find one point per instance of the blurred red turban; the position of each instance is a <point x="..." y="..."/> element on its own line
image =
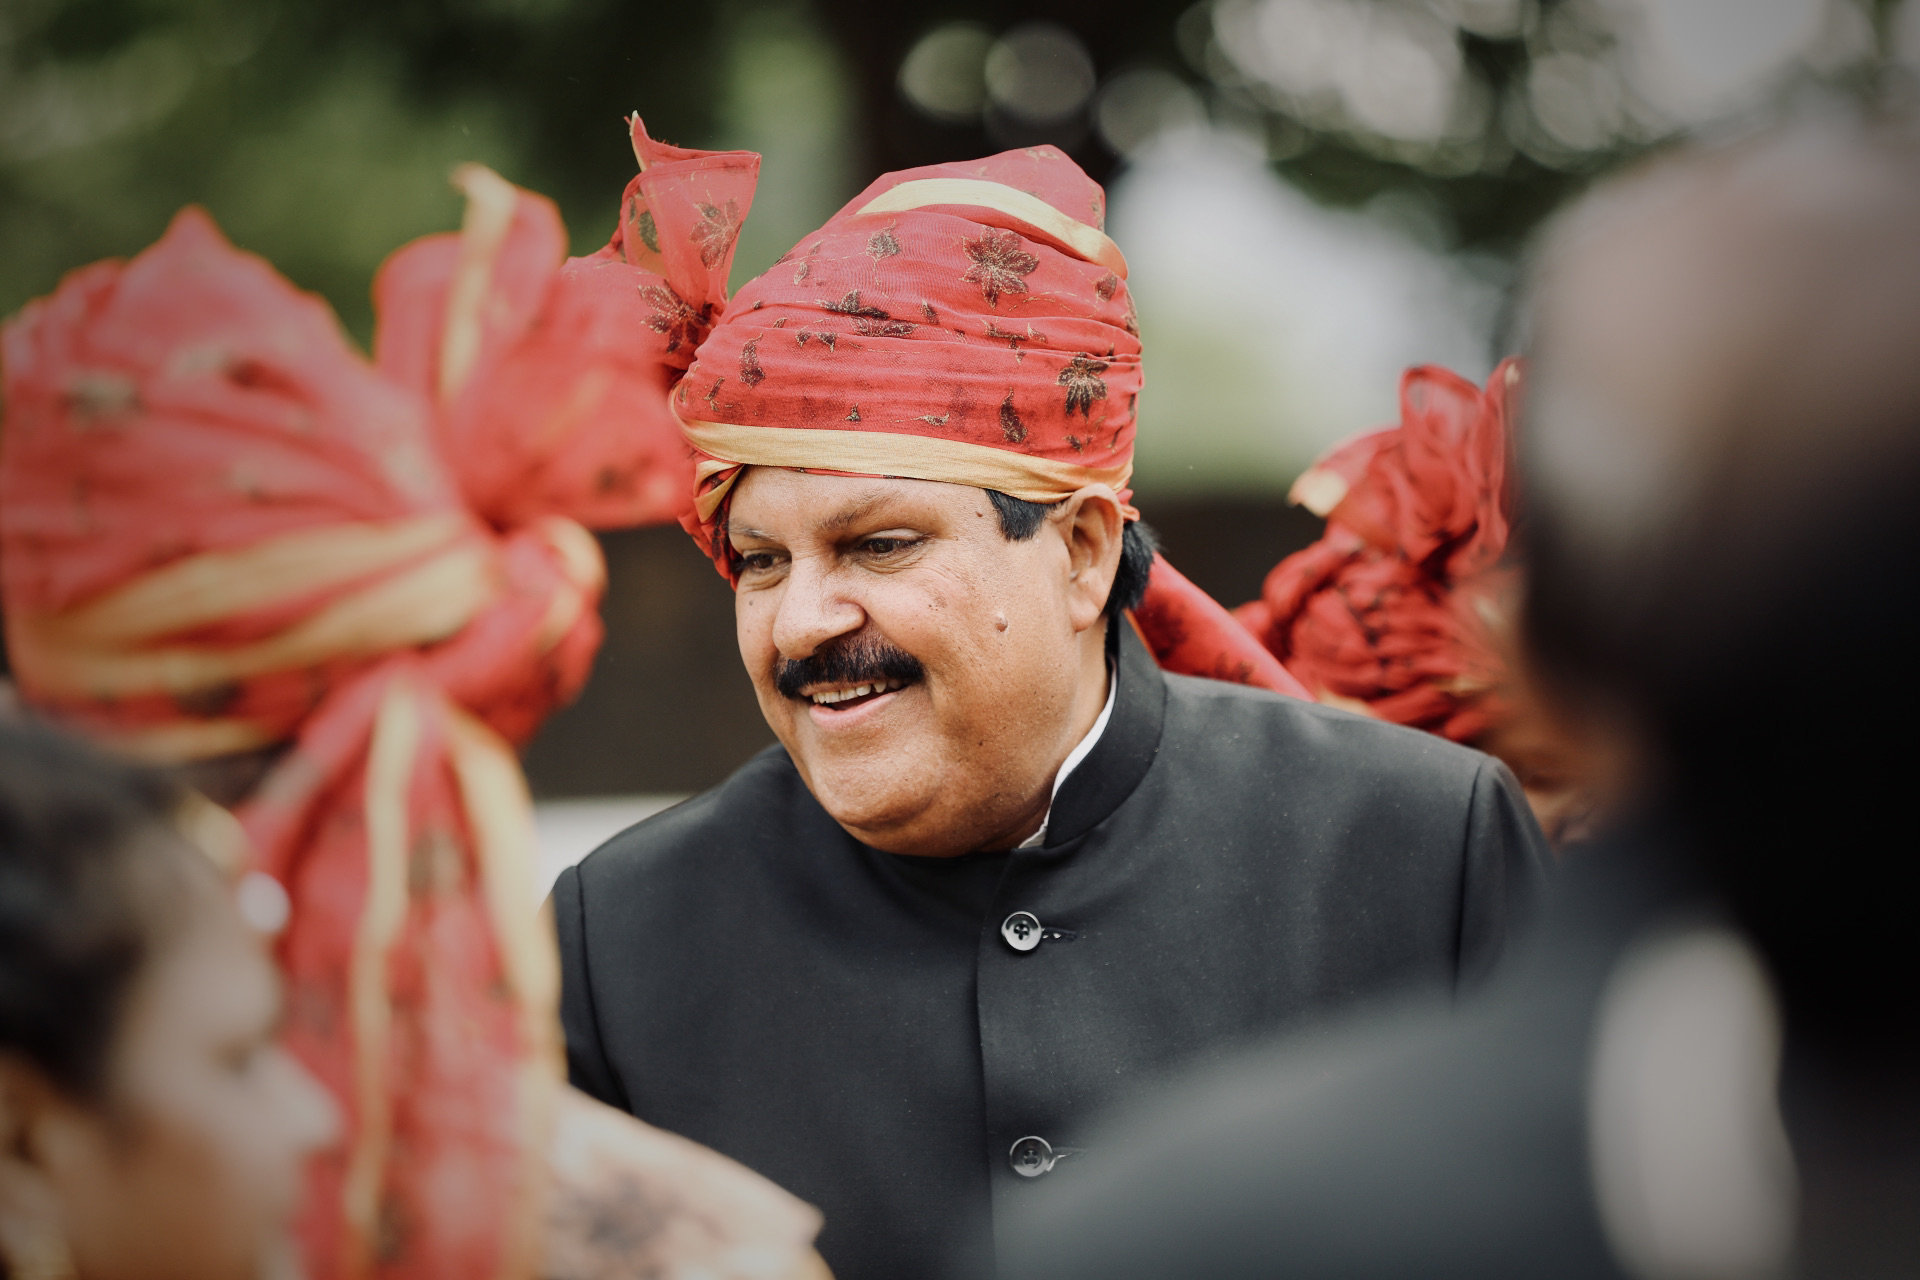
<point x="222" y="530"/>
<point x="965" y="323"/>
<point x="1388" y="612"/>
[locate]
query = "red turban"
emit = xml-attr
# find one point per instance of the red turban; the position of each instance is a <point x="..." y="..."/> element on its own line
<point x="965" y="323"/>
<point x="222" y="529"/>
<point x="1386" y="613"/>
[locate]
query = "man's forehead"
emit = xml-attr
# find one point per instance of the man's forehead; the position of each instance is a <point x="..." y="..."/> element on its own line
<point x="774" y="501"/>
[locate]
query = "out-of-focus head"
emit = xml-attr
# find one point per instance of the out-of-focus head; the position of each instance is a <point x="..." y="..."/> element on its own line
<point x="150" y="1127"/>
<point x="913" y="440"/>
<point x="1720" y="486"/>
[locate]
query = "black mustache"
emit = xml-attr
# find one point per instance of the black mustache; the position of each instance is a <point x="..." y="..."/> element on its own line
<point x="855" y="660"/>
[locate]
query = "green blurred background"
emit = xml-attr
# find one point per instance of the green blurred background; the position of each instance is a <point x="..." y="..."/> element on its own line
<point x="1312" y="194"/>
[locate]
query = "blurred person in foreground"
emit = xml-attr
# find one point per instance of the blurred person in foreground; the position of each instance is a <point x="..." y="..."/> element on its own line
<point x="1401" y="609"/>
<point x="1706" y="1063"/>
<point x="336" y="593"/>
<point x="1000" y="869"/>
<point x="150" y="1124"/>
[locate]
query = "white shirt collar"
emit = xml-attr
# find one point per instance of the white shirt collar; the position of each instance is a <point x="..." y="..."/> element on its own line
<point x="1074" y="757"/>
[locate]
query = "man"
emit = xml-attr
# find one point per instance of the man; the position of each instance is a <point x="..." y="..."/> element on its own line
<point x="1721" y="477"/>
<point x="1000" y="870"/>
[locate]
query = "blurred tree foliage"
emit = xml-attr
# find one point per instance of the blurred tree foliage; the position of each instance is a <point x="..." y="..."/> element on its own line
<point x="1489" y="175"/>
<point x="320" y="132"/>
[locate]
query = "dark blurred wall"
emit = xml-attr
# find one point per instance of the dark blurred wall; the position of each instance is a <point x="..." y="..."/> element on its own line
<point x="669" y="707"/>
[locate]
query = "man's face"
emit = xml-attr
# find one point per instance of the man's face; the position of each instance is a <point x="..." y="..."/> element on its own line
<point x="920" y="668"/>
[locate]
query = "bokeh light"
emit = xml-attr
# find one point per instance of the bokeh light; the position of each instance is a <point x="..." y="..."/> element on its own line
<point x="1136" y="107"/>
<point x="1905" y="35"/>
<point x="1576" y="99"/>
<point x="1388" y="70"/>
<point x="944" y="74"/>
<point x="1039" y="73"/>
<point x="1694" y="59"/>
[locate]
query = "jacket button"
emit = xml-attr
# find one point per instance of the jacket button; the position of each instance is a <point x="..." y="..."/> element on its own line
<point x="1022" y="932"/>
<point x="1031" y="1157"/>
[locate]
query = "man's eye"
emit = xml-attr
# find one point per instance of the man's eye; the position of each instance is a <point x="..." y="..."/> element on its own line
<point x="885" y="546"/>
<point x="757" y="561"/>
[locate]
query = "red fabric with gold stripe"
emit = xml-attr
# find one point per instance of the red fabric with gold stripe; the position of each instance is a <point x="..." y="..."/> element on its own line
<point x="950" y="321"/>
<point x="222" y="530"/>
<point x="967" y="323"/>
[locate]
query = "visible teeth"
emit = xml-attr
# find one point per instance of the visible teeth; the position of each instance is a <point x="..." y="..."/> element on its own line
<point x="828" y="697"/>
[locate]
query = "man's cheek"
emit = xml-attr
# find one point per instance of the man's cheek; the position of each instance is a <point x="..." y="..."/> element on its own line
<point x="753" y="635"/>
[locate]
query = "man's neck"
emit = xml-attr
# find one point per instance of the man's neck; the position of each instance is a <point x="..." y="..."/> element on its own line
<point x="1092" y="702"/>
<point x="1079" y="753"/>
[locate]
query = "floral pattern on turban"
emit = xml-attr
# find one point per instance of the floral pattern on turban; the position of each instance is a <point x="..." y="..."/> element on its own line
<point x="966" y="323"/>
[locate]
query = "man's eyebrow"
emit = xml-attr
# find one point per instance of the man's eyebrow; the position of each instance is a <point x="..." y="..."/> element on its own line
<point x="847" y="517"/>
<point x="857" y="513"/>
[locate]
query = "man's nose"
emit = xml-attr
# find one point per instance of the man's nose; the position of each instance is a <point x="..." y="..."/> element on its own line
<point x="814" y="609"/>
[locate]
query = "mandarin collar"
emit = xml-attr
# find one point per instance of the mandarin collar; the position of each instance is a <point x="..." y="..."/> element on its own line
<point x="1125" y="751"/>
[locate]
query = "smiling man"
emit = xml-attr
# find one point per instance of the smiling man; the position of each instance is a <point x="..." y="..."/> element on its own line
<point x="1001" y="871"/>
<point x="877" y="617"/>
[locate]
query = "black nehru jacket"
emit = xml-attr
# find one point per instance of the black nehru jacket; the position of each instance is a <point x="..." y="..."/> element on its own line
<point x="915" y="1044"/>
<point x="1421" y="1142"/>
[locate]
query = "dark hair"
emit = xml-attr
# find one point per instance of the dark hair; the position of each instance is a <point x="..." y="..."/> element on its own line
<point x="1020" y="520"/>
<point x="79" y="911"/>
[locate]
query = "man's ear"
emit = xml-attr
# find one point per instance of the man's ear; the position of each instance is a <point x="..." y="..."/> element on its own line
<point x="1090" y="523"/>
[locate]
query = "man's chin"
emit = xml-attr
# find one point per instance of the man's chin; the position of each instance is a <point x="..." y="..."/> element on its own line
<point x="911" y="839"/>
<point x="876" y="807"/>
<point x="881" y="797"/>
<point x="873" y="769"/>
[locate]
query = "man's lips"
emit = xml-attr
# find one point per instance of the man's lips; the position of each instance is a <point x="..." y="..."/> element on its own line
<point x="848" y="696"/>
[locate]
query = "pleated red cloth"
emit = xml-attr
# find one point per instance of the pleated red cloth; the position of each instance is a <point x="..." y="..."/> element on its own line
<point x="224" y="530"/>
<point x="1389" y="612"/>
